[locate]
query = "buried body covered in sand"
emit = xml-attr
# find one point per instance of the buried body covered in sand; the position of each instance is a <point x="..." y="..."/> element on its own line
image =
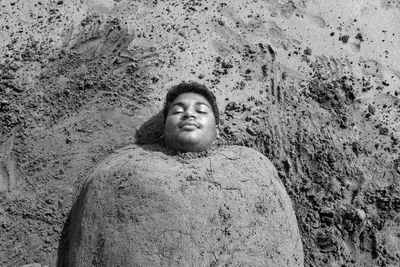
<point x="149" y="206"/>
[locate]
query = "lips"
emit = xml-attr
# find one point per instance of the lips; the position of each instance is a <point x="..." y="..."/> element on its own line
<point x="189" y="124"/>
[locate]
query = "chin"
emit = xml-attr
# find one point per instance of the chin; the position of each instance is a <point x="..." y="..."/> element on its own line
<point x="189" y="142"/>
<point x="187" y="145"/>
<point x="195" y="146"/>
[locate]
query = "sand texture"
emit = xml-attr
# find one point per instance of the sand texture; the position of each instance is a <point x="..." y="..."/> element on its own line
<point x="311" y="85"/>
<point x="146" y="208"/>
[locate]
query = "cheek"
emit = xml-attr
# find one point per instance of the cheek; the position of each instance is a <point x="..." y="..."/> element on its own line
<point x="172" y="121"/>
<point x="169" y="125"/>
<point x="209" y="123"/>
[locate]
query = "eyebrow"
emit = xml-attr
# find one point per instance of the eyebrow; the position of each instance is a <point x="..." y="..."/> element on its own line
<point x="182" y="104"/>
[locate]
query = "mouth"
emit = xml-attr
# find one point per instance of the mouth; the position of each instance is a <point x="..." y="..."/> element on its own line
<point x="189" y="124"/>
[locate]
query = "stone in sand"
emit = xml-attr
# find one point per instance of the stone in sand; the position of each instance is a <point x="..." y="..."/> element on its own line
<point x="147" y="208"/>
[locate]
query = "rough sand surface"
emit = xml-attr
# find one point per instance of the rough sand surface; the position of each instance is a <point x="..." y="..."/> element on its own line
<point x="147" y="208"/>
<point x="313" y="85"/>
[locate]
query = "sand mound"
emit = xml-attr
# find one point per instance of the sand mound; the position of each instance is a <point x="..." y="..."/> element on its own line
<point x="147" y="208"/>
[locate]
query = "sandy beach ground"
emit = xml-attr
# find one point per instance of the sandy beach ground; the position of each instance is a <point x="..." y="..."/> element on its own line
<point x="313" y="85"/>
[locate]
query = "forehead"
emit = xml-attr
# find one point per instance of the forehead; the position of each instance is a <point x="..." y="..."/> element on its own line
<point x="190" y="98"/>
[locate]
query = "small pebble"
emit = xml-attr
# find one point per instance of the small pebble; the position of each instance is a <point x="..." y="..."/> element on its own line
<point x="308" y="51"/>
<point x="361" y="214"/>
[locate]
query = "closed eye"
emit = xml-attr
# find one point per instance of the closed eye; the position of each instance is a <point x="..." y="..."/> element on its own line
<point x="202" y="109"/>
<point x="177" y="110"/>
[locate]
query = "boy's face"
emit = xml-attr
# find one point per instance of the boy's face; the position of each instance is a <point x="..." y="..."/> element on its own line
<point x="190" y="123"/>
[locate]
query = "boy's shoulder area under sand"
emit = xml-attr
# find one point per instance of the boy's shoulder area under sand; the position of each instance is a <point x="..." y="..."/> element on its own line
<point x="149" y="208"/>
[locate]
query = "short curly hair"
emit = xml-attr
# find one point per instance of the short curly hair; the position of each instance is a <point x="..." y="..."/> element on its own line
<point x="191" y="87"/>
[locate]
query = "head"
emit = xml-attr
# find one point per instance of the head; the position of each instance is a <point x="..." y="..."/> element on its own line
<point x="191" y="117"/>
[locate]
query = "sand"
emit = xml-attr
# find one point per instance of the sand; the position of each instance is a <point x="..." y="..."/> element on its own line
<point x="312" y="85"/>
<point x="144" y="206"/>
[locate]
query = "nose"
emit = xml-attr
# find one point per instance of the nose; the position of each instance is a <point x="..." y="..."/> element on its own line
<point x="190" y="112"/>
